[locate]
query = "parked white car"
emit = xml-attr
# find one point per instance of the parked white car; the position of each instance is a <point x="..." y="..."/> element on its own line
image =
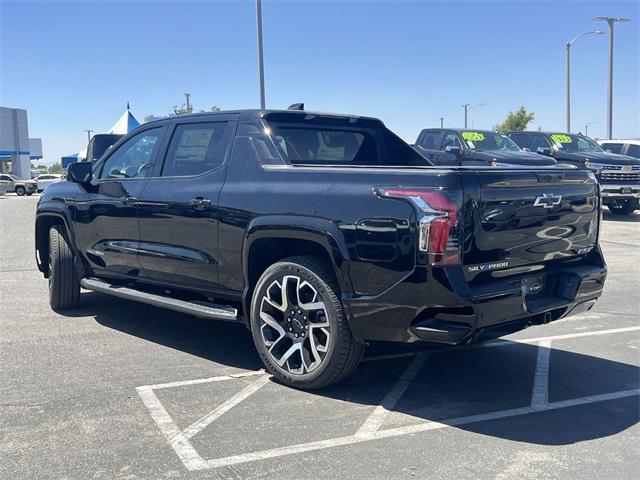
<point x="630" y="147"/>
<point x="47" y="179"/>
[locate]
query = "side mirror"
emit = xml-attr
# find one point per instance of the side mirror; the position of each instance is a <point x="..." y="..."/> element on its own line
<point x="546" y="151"/>
<point x="80" y="172"/>
<point x="453" y="149"/>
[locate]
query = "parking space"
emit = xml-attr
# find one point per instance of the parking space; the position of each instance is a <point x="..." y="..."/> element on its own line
<point x="121" y="390"/>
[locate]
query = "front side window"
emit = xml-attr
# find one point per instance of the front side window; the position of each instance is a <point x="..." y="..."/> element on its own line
<point x="133" y="158"/>
<point x="634" y="150"/>
<point x="195" y="149"/>
<point x="574" y="143"/>
<point x="451" y="139"/>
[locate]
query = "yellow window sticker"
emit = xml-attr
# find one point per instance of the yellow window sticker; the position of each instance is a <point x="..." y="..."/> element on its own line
<point x="561" y="138"/>
<point x="473" y="136"/>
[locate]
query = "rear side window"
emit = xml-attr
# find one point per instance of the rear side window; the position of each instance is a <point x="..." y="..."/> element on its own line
<point x="522" y="139"/>
<point x="634" y="150"/>
<point x="432" y="140"/>
<point x="196" y="148"/>
<point x="614" y="147"/>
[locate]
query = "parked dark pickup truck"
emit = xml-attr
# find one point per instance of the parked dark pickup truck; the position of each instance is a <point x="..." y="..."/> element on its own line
<point x="473" y="148"/>
<point x="618" y="175"/>
<point x="320" y="233"/>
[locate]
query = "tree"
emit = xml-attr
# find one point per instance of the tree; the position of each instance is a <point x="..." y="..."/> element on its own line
<point x="56" y="168"/>
<point x="516" y="121"/>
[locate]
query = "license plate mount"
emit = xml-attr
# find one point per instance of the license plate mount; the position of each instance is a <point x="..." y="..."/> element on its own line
<point x="533" y="286"/>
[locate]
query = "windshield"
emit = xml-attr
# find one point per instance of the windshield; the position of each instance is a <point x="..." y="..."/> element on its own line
<point x="574" y="143"/>
<point x="488" y="141"/>
<point x="14" y="177"/>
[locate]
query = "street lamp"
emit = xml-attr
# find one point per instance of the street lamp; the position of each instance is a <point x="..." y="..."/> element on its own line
<point x="467" y="107"/>
<point x="441" y="122"/>
<point x="586" y="128"/>
<point x="260" y="54"/>
<point x="568" y="45"/>
<point x="610" y="21"/>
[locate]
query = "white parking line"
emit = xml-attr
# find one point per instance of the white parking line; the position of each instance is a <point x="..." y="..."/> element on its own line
<point x="420" y="427"/>
<point x="370" y="429"/>
<point x="373" y="423"/>
<point x="540" y="392"/>
<point x="223" y="408"/>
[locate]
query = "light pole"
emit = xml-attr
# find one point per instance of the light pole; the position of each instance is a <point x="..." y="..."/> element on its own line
<point x="441" y="122"/>
<point x="187" y="96"/>
<point x="568" y="45"/>
<point x="89" y="132"/>
<point x="586" y="128"/>
<point x="610" y="21"/>
<point x="260" y="54"/>
<point x="467" y="107"/>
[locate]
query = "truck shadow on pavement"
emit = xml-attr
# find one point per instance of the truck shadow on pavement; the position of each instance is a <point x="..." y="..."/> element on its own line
<point x="610" y="217"/>
<point x="452" y="384"/>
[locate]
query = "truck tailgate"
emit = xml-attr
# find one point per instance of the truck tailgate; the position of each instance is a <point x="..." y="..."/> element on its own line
<point x="527" y="217"/>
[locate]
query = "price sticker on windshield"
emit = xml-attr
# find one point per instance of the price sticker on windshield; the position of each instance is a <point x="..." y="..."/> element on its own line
<point x="473" y="136"/>
<point x="561" y="138"/>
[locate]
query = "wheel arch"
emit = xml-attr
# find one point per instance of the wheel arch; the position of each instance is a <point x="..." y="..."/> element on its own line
<point x="44" y="221"/>
<point x="270" y="239"/>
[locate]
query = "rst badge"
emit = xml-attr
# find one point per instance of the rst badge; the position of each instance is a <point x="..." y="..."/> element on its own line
<point x="485" y="267"/>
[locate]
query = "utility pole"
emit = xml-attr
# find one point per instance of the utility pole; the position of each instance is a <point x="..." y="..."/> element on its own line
<point x="188" y="96"/>
<point x="586" y="128"/>
<point x="610" y="21"/>
<point x="467" y="107"/>
<point x="441" y="122"/>
<point x="260" y="52"/>
<point x="568" y="46"/>
<point x="89" y="132"/>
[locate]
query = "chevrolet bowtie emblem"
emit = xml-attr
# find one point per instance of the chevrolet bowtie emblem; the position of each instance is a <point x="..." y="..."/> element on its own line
<point x="547" y="201"/>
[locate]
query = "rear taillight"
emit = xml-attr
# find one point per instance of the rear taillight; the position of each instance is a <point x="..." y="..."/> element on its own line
<point x="439" y="235"/>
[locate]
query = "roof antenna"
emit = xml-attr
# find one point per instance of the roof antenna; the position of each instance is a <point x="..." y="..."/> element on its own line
<point x="127" y="105"/>
<point x="296" y="106"/>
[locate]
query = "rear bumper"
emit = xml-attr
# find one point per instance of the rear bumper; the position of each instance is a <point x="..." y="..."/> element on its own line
<point x="438" y="306"/>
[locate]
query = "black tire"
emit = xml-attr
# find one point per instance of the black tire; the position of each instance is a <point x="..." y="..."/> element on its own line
<point x="20" y="190"/>
<point x="624" y="206"/>
<point x="64" y="285"/>
<point x="343" y="353"/>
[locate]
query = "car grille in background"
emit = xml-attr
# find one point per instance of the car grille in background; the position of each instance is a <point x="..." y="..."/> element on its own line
<point x="620" y="173"/>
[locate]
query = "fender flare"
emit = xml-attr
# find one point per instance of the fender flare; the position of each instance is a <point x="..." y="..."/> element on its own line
<point x="59" y="213"/>
<point x="317" y="230"/>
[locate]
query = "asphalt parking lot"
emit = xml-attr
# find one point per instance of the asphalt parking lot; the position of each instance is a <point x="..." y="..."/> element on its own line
<point x="122" y="390"/>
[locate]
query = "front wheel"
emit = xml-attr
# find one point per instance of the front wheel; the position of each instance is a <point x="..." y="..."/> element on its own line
<point x="299" y="327"/>
<point x="64" y="286"/>
<point x="20" y="191"/>
<point x="624" y="206"/>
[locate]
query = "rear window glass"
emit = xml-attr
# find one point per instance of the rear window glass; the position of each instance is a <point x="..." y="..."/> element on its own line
<point x="325" y="141"/>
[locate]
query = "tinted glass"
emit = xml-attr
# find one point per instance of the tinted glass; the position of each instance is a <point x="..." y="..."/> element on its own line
<point x="450" y="138"/>
<point x="133" y="158"/>
<point x="574" y="143"/>
<point x="196" y="148"/>
<point x="484" y="140"/>
<point x="634" y="151"/>
<point x="432" y="140"/>
<point x="539" y="142"/>
<point x="398" y="152"/>
<point x="521" y="139"/>
<point x="614" y="147"/>
<point x="100" y="144"/>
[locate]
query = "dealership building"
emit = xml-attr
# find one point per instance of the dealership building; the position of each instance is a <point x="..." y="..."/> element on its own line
<point x="16" y="148"/>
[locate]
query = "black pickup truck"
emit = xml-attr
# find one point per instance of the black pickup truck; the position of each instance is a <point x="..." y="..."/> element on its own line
<point x="472" y="148"/>
<point x="618" y="175"/>
<point x="320" y="233"/>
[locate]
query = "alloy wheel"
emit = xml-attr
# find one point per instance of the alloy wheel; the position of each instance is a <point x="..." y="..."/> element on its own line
<point x="294" y="325"/>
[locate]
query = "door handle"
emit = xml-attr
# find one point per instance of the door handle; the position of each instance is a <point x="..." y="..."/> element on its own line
<point x="200" y="203"/>
<point x="129" y="200"/>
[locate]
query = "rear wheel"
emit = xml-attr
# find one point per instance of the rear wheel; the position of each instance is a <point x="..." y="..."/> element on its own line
<point x="64" y="286"/>
<point x="20" y="191"/>
<point x="299" y="326"/>
<point x="623" y="206"/>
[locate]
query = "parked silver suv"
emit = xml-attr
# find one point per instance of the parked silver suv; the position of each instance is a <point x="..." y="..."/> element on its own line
<point x="19" y="186"/>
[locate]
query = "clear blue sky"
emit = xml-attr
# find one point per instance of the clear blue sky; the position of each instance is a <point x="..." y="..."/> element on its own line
<point x="74" y="65"/>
